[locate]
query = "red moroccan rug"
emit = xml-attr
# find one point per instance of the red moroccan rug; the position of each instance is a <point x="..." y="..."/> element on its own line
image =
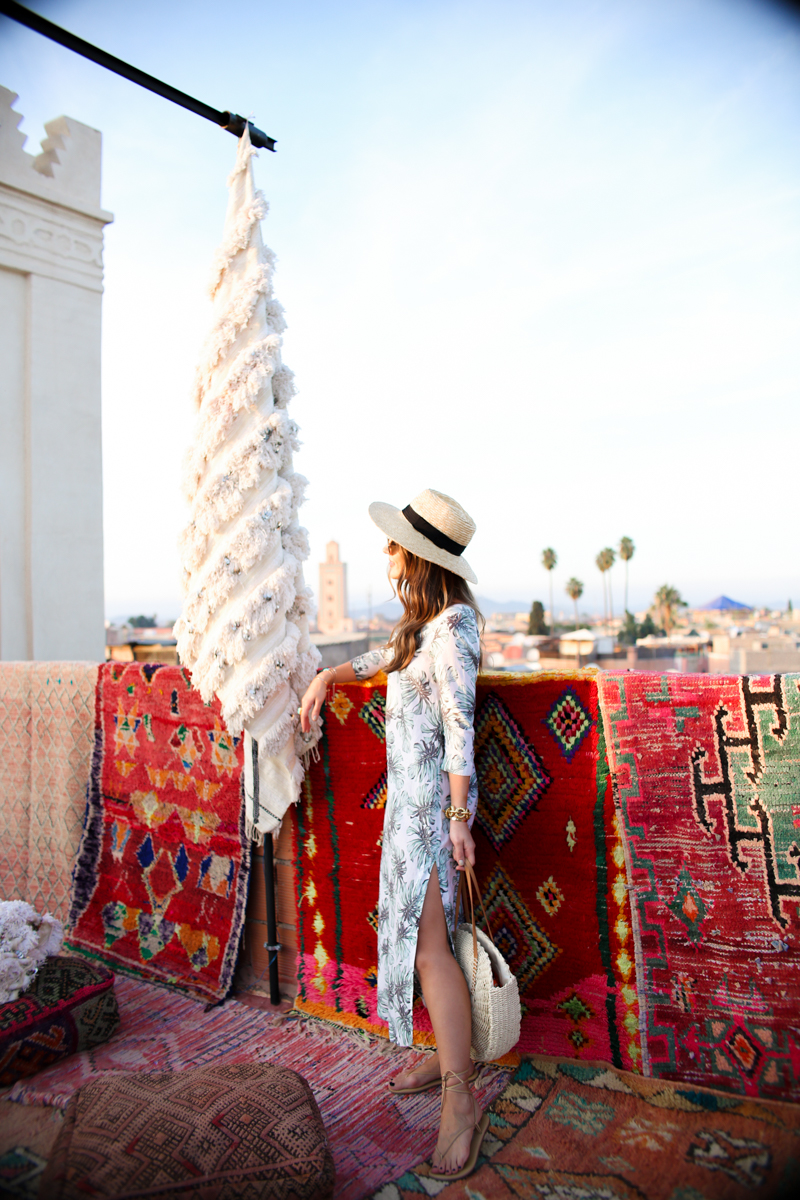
<point x="707" y="774"/>
<point x="160" y="881"/>
<point x="550" y="863"/>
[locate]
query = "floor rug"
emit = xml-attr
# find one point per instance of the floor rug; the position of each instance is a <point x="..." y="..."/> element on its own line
<point x="707" y="775"/>
<point x="563" y="1130"/>
<point x="46" y="741"/>
<point x="160" y="882"/>
<point x="26" y="1138"/>
<point x="160" y="1030"/>
<point x="550" y="863"/>
<point x="374" y="1135"/>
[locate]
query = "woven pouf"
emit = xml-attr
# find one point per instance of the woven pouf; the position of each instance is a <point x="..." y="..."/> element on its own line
<point x="70" y="1006"/>
<point x="241" y="1129"/>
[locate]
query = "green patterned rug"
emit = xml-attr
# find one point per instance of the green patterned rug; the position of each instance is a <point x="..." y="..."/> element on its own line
<point x="568" y="1130"/>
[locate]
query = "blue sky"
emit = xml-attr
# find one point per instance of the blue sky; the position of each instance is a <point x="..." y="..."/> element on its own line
<point x="543" y="257"/>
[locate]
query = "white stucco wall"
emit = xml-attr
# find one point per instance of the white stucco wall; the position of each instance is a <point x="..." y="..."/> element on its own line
<point x="51" y="487"/>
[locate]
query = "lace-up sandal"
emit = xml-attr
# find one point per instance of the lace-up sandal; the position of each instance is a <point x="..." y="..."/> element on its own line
<point x="478" y="1127"/>
<point x="432" y="1082"/>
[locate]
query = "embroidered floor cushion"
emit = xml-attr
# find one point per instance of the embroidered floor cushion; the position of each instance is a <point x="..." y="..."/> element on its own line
<point x="70" y="1006"/>
<point x="235" y="1129"/>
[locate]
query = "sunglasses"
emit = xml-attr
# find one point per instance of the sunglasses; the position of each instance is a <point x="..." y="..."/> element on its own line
<point x="392" y="547"/>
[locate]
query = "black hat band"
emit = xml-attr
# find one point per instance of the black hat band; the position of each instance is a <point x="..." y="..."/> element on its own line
<point x="431" y="532"/>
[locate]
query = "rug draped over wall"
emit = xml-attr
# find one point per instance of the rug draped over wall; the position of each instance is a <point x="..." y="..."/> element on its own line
<point x="707" y="773"/>
<point x="160" y="882"/>
<point x="549" y="861"/>
<point x="46" y="740"/>
<point x="637" y="844"/>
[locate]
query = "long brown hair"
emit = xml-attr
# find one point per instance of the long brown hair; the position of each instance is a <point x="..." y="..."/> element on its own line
<point x="425" y="589"/>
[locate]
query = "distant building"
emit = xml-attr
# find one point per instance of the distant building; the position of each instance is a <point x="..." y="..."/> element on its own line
<point x="724" y="604"/>
<point x="507" y="622"/>
<point x="587" y="643"/>
<point x="332" y="614"/>
<point x="755" y="653"/>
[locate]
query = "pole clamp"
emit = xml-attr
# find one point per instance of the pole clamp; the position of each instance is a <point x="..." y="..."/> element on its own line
<point x="274" y="949"/>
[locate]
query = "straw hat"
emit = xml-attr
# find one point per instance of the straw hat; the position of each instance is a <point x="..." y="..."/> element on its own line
<point x="433" y="526"/>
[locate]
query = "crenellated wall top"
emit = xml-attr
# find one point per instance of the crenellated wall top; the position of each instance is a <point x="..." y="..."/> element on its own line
<point x="66" y="171"/>
<point x="51" y="222"/>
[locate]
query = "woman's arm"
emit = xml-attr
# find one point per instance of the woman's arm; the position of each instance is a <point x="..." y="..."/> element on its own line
<point x="317" y="691"/>
<point x="363" y="667"/>
<point x="460" y="835"/>
<point x="455" y="666"/>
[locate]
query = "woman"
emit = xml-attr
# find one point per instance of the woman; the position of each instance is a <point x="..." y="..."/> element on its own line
<point x="432" y="662"/>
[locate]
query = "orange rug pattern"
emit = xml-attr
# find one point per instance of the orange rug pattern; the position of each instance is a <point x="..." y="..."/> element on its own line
<point x="563" y="1130"/>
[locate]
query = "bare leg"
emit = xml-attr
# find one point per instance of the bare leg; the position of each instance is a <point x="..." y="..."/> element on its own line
<point x="447" y="997"/>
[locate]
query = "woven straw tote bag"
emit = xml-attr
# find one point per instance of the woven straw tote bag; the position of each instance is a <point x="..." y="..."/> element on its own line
<point x="496" y="1012"/>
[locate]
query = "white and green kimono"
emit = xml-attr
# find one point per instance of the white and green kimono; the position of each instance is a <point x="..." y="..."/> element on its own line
<point x="430" y="706"/>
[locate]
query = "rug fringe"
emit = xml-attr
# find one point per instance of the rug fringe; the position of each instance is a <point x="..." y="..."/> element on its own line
<point x="311" y="1025"/>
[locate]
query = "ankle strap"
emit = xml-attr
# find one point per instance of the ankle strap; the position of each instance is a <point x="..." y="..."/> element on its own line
<point x="462" y="1079"/>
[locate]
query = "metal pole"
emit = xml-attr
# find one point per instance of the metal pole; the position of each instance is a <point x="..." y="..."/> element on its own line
<point x="272" y="944"/>
<point x="227" y="120"/>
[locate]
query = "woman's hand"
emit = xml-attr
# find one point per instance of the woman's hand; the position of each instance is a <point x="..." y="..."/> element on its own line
<point x="313" y="700"/>
<point x="463" y="844"/>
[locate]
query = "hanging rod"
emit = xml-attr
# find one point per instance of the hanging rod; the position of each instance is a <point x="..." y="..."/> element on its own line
<point x="228" y="120"/>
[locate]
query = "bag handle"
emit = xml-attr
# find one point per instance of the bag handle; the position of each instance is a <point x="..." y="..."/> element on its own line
<point x="471" y="914"/>
<point x="472" y="882"/>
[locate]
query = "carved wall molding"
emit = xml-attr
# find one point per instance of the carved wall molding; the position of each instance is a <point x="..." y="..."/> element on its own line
<point x="66" y="246"/>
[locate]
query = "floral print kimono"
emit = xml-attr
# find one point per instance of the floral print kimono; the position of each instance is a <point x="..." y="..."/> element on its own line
<point x="430" y="706"/>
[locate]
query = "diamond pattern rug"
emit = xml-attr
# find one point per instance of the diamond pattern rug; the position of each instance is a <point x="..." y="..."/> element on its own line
<point x="569" y="722"/>
<point x="161" y="877"/>
<point x="46" y="741"/>
<point x="511" y="775"/>
<point x="550" y="863"/>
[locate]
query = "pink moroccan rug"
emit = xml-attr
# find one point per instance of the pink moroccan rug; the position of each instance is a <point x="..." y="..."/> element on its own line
<point x="46" y="741"/>
<point x="374" y="1136"/>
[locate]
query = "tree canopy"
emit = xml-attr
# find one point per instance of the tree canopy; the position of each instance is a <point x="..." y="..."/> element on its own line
<point x="142" y="622"/>
<point x="536" y="622"/>
<point x="574" y="589"/>
<point x="666" y="602"/>
<point x="626" y="549"/>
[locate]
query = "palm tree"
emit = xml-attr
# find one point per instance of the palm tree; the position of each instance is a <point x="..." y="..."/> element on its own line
<point x="610" y="559"/>
<point x="574" y="590"/>
<point x="605" y="561"/>
<point x="601" y="566"/>
<point x="549" y="560"/>
<point x="626" y="552"/>
<point x="667" y="599"/>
